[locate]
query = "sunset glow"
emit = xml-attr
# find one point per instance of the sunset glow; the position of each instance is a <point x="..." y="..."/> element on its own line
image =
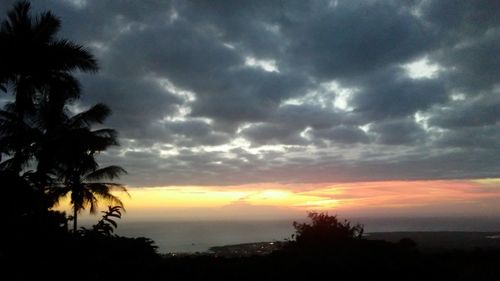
<point x="439" y="197"/>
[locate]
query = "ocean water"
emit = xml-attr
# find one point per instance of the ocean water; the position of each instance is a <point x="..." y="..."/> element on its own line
<point x="199" y="236"/>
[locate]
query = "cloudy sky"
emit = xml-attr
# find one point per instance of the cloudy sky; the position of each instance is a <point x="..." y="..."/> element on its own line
<point x="230" y="93"/>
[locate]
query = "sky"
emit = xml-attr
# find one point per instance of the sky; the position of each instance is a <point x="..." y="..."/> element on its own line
<point x="350" y="106"/>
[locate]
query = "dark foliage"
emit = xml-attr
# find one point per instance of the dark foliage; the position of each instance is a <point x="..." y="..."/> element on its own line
<point x="107" y="224"/>
<point x="324" y="231"/>
<point x="37" y="130"/>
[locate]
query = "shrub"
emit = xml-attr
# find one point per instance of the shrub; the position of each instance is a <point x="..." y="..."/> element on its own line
<point x="324" y="230"/>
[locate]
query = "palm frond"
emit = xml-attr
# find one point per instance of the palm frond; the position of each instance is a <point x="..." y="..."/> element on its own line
<point x="63" y="86"/>
<point x="18" y="18"/>
<point x="55" y="193"/>
<point x="110" y="221"/>
<point x="46" y="26"/>
<point x="88" y="199"/>
<point x="105" y="137"/>
<point x="8" y="164"/>
<point x="110" y="172"/>
<point x="96" y="114"/>
<point x="70" y="56"/>
<point x="104" y="192"/>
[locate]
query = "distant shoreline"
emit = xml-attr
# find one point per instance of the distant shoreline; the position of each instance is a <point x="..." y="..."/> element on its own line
<point x="200" y="236"/>
<point x="426" y="241"/>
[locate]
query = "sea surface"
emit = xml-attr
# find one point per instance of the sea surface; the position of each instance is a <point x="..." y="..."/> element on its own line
<point x="199" y="236"/>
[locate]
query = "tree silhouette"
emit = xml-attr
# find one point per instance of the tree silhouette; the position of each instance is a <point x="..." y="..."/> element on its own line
<point x="10" y="140"/>
<point x="37" y="127"/>
<point x="107" y="224"/>
<point x="36" y="68"/>
<point x="78" y="171"/>
<point x="325" y="230"/>
<point x="85" y="189"/>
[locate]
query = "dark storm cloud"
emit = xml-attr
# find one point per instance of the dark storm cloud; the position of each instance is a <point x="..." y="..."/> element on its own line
<point x="303" y="116"/>
<point x="342" y="135"/>
<point x="193" y="133"/>
<point x="288" y="123"/>
<point x="192" y="61"/>
<point x="398" y="132"/>
<point x="247" y="95"/>
<point x="352" y="38"/>
<point x="481" y="111"/>
<point x="229" y="92"/>
<point x="470" y="35"/>
<point x="391" y="94"/>
<point x="251" y="26"/>
<point x="459" y="20"/>
<point x="472" y="138"/>
<point x="273" y="134"/>
<point x="137" y="102"/>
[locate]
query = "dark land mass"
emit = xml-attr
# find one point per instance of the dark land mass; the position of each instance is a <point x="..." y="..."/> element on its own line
<point x="246" y="249"/>
<point x="426" y="241"/>
<point x="454" y="256"/>
<point x="436" y="241"/>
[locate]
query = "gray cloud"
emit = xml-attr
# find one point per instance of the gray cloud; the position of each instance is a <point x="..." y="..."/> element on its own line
<point x="390" y="94"/>
<point x="192" y="133"/>
<point x="398" y="132"/>
<point x="354" y="37"/>
<point x="472" y="138"/>
<point x="342" y="135"/>
<point x="232" y="92"/>
<point x="273" y="134"/>
<point x="247" y="95"/>
<point x="481" y="111"/>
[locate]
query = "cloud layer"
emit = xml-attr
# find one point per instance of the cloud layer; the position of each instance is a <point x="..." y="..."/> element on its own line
<point x="236" y="92"/>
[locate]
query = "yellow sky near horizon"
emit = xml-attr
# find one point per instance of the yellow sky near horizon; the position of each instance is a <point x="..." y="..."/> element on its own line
<point x="274" y="200"/>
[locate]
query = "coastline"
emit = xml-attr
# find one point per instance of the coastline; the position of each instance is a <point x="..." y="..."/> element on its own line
<point x="426" y="241"/>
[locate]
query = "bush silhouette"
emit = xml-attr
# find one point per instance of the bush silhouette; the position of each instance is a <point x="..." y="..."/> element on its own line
<point x="325" y="230"/>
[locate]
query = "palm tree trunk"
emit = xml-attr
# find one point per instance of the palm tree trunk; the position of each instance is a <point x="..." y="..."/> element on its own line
<point x="75" y="218"/>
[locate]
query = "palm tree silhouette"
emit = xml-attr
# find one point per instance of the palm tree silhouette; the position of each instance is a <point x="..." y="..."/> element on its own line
<point x="37" y="70"/>
<point x="75" y="165"/>
<point x="10" y="129"/>
<point x="34" y="65"/>
<point x="86" y="190"/>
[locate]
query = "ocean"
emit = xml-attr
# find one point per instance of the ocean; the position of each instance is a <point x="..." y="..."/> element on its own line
<point x="199" y="236"/>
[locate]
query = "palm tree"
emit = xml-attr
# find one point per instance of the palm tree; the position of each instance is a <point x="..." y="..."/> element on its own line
<point x="34" y="64"/>
<point x="73" y="157"/>
<point x="36" y="68"/>
<point x="86" y="189"/>
<point x="10" y="129"/>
